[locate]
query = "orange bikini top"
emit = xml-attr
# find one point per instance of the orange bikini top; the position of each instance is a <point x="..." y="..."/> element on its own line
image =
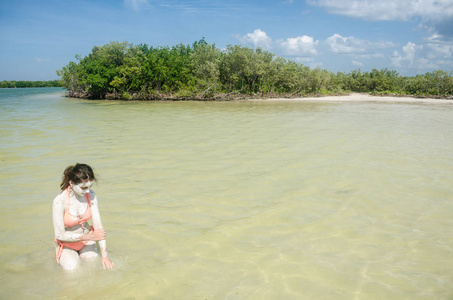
<point x="70" y="220"/>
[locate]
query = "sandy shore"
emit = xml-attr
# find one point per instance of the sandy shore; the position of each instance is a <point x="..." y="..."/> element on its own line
<point x="357" y="97"/>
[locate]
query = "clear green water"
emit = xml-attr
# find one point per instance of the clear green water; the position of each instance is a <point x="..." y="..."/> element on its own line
<point x="232" y="200"/>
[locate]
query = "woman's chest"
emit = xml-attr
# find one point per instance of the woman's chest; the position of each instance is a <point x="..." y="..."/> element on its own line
<point x="77" y="208"/>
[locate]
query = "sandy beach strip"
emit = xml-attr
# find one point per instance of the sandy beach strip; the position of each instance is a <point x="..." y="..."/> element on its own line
<point x="358" y="97"/>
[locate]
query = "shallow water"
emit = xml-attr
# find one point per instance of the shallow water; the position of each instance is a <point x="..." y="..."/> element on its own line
<point x="232" y="200"/>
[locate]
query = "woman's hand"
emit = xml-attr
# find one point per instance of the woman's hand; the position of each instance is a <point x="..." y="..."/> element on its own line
<point x="96" y="235"/>
<point x="107" y="263"/>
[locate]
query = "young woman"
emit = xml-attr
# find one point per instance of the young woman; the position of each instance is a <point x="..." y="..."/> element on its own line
<point x="72" y="208"/>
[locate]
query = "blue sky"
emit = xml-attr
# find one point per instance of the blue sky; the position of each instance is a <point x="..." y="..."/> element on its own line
<point x="410" y="36"/>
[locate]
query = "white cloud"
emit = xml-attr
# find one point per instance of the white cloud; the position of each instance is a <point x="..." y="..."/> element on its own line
<point x="409" y="51"/>
<point x="397" y="59"/>
<point x="136" y="4"/>
<point x="42" y="60"/>
<point x="439" y="50"/>
<point x="299" y="46"/>
<point x="424" y="63"/>
<point x="388" y="9"/>
<point x="357" y="63"/>
<point x="427" y="57"/>
<point x="304" y="60"/>
<point x="371" y="55"/>
<point x="340" y="44"/>
<point x="258" y="38"/>
<point x="445" y="64"/>
<point x="408" y="55"/>
<point x="436" y="16"/>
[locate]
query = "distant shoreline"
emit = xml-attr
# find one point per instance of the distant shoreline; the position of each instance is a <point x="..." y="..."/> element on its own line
<point x="30" y="87"/>
<point x="18" y="84"/>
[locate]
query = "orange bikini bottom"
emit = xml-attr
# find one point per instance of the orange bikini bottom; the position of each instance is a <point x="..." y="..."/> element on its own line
<point x="77" y="246"/>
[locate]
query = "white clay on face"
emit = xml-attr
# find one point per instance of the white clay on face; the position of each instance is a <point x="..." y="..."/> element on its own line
<point x="77" y="189"/>
<point x="82" y="188"/>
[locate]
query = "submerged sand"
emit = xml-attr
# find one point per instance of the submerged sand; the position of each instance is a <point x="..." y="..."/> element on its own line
<point x="358" y="97"/>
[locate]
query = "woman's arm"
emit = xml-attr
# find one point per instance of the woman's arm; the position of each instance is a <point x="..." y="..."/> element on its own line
<point x="97" y="224"/>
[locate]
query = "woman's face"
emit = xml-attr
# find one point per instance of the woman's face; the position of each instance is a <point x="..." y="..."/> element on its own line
<point x="82" y="188"/>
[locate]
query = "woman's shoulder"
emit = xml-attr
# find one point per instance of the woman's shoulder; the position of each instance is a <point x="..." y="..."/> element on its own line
<point x="60" y="195"/>
<point x="60" y="199"/>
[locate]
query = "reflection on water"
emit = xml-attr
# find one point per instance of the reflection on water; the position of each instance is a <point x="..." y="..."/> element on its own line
<point x="233" y="200"/>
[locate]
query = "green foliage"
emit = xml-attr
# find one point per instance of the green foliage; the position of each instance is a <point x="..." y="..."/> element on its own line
<point x="244" y="70"/>
<point x="205" y="61"/>
<point x="126" y="96"/>
<point x="30" y="84"/>
<point x="202" y="71"/>
<point x="185" y="94"/>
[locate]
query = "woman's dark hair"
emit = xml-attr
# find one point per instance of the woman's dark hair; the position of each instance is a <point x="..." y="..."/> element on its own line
<point x="76" y="174"/>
